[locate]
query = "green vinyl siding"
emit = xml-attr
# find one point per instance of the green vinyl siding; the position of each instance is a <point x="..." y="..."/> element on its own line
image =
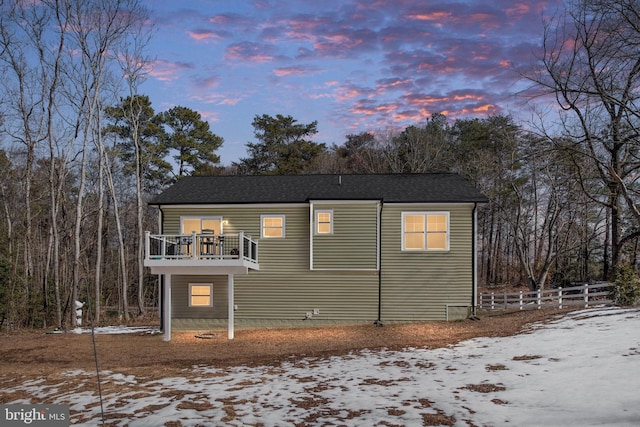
<point x="420" y="285"/>
<point x="235" y="219"/>
<point x="343" y="284"/>
<point x="180" y="298"/>
<point x="285" y="287"/>
<point x="353" y="243"/>
<point x="348" y="296"/>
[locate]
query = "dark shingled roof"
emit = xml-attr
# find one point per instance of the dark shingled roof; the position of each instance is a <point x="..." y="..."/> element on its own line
<point x="408" y="188"/>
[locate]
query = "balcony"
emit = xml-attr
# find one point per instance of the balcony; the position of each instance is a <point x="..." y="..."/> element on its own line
<point x="200" y="253"/>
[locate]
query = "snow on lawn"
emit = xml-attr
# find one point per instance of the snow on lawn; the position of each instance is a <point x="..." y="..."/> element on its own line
<point x="581" y="369"/>
<point x="152" y="330"/>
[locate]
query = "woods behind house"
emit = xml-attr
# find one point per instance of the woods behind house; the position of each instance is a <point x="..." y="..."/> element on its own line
<point x="83" y="151"/>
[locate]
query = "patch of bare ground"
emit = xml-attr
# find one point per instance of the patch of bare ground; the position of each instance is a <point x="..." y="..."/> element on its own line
<point x="496" y="367"/>
<point x="485" y="388"/>
<point x="32" y="354"/>
<point x="526" y="357"/>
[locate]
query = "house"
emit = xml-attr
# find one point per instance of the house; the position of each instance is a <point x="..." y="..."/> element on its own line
<point x="314" y="249"/>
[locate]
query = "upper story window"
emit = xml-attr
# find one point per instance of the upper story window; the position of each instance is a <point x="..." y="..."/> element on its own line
<point x="272" y="226"/>
<point x="201" y="225"/>
<point x="324" y="222"/>
<point x="425" y="231"/>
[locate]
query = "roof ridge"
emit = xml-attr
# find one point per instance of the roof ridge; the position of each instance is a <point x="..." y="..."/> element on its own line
<point x="441" y="187"/>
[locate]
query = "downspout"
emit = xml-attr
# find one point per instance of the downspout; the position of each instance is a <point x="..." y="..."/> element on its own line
<point x="474" y="261"/>
<point x="161" y="276"/>
<point x="378" y="322"/>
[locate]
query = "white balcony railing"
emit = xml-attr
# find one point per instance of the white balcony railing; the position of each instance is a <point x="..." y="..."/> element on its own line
<point x="195" y="246"/>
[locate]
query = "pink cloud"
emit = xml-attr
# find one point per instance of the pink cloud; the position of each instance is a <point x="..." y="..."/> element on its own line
<point x="204" y="35"/>
<point x="395" y="84"/>
<point x="415" y="107"/>
<point x="518" y="9"/>
<point x="220" y="19"/>
<point x="230" y="21"/>
<point x="438" y="16"/>
<point x="210" y="116"/>
<point x="487" y="21"/>
<point x="344" y="43"/>
<point x="206" y="83"/>
<point x="304" y="27"/>
<point x="230" y="101"/>
<point x="249" y="51"/>
<point x="166" y="70"/>
<point x="369" y="62"/>
<point x="348" y="92"/>
<point x="319" y="96"/>
<point x="216" y="98"/>
<point x="410" y="115"/>
<point x="293" y="71"/>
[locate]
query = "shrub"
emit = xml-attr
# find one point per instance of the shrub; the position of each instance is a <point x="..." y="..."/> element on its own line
<point x="626" y="287"/>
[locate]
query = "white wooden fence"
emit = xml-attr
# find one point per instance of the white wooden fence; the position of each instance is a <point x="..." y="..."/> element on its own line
<point x="582" y="295"/>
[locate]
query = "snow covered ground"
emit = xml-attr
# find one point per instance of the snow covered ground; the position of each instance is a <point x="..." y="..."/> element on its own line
<point x="152" y="330"/>
<point x="579" y="370"/>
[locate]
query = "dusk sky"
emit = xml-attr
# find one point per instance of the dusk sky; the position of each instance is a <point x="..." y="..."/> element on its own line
<point x="352" y="65"/>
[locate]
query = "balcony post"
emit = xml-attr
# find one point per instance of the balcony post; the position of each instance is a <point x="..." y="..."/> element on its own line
<point x="195" y="250"/>
<point x="231" y="306"/>
<point x="241" y="244"/>
<point x="166" y="301"/>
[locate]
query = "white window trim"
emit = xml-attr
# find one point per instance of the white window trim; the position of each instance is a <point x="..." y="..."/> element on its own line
<point x="210" y="285"/>
<point x="426" y="214"/>
<point x="317" y="222"/>
<point x="284" y="228"/>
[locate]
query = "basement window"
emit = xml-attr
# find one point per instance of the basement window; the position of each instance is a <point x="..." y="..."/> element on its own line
<point x="200" y="294"/>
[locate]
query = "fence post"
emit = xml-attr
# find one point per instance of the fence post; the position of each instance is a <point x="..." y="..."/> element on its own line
<point x="560" y="298"/>
<point x="521" y="306"/>
<point x="492" y="301"/>
<point x="539" y="299"/>
<point x="586" y="295"/>
<point x="504" y="303"/>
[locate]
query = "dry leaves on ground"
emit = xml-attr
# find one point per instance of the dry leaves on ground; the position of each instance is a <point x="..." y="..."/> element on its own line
<point x="34" y="353"/>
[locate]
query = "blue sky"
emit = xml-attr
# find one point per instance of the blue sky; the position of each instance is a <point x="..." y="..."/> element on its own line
<point x="352" y="65"/>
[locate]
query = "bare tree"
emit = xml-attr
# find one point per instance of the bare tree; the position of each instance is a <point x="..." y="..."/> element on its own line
<point x="544" y="221"/>
<point x="32" y="55"/>
<point x="420" y="149"/>
<point x="55" y="56"/>
<point x="97" y="30"/>
<point x="24" y="124"/>
<point x="133" y="64"/>
<point x="591" y="64"/>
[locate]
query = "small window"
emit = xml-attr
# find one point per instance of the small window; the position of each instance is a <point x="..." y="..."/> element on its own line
<point x="324" y="222"/>
<point x="422" y="231"/>
<point x="272" y="226"/>
<point x="200" y="295"/>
